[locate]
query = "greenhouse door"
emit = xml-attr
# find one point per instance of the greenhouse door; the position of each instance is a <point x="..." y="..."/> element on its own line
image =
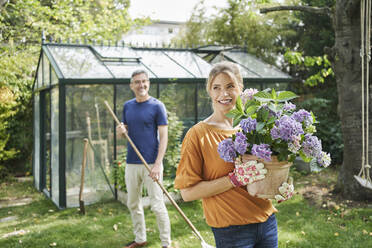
<point x="45" y="102"/>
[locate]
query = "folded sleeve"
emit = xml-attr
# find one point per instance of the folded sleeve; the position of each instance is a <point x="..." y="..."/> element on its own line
<point x="190" y="168"/>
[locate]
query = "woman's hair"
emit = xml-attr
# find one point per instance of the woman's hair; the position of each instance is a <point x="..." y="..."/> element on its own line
<point x="229" y="68"/>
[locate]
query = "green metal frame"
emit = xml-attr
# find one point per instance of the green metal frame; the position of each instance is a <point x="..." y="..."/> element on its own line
<point x="62" y="145"/>
<point x="63" y="82"/>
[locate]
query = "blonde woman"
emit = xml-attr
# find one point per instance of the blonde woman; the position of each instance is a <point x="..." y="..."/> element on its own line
<point x="237" y="219"/>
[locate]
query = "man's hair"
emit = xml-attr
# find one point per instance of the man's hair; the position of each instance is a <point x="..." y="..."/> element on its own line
<point x="137" y="72"/>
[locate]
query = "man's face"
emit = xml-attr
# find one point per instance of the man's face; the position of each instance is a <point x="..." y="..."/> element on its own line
<point x="140" y="85"/>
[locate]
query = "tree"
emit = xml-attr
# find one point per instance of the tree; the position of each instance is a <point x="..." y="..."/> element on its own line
<point x="346" y="63"/>
<point x="21" y="26"/>
<point x="238" y="24"/>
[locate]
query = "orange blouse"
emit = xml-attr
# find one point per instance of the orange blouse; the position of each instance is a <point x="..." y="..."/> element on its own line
<point x="200" y="161"/>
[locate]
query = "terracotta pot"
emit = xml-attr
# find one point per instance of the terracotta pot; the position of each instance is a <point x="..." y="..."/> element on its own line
<point x="277" y="173"/>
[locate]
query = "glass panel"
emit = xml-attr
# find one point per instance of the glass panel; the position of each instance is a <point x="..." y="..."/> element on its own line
<point x="121" y="70"/>
<point x="256" y="65"/>
<point x="204" y="66"/>
<point x="47" y="126"/>
<point x="46" y="72"/>
<point x="54" y="78"/>
<point x="115" y="52"/>
<point x="123" y="94"/>
<point x="204" y="102"/>
<point x="182" y="101"/>
<point x="55" y="145"/>
<point x="36" y="162"/>
<point x="276" y="86"/>
<point x="78" y="62"/>
<point x="245" y="73"/>
<point x="196" y="65"/>
<point x="253" y="85"/>
<point x="161" y="65"/>
<point x="40" y="75"/>
<point x="87" y="117"/>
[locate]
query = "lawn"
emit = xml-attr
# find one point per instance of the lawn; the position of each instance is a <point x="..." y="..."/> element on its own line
<point x="313" y="218"/>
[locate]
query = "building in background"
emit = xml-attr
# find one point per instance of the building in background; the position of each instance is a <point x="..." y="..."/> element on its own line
<point x="159" y="32"/>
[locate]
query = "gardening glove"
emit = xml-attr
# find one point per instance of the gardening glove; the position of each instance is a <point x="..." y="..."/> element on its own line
<point x="247" y="173"/>
<point x="286" y="191"/>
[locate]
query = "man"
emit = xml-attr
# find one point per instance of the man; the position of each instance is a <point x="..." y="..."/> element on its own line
<point x="144" y="119"/>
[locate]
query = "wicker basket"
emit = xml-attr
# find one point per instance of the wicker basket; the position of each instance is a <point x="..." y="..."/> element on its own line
<point x="277" y="173"/>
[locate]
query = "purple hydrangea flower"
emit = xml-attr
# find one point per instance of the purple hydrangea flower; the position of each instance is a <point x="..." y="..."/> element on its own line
<point x="286" y="128"/>
<point x="288" y="106"/>
<point x="240" y="143"/>
<point x="324" y="159"/>
<point x="271" y="113"/>
<point x="262" y="151"/>
<point x="312" y="146"/>
<point x="226" y="150"/>
<point x="247" y="94"/>
<point x="294" y="146"/>
<point x="248" y="125"/>
<point x="303" y="116"/>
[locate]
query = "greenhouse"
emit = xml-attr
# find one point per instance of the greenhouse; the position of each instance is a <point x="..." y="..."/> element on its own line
<point x="73" y="81"/>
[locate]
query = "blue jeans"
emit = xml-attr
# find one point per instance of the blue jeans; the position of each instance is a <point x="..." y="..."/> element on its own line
<point x="258" y="235"/>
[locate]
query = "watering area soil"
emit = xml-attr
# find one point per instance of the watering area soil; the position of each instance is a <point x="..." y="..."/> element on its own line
<point x="322" y="194"/>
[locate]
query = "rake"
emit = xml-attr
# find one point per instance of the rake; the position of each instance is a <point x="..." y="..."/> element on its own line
<point x="196" y="232"/>
<point x="81" y="202"/>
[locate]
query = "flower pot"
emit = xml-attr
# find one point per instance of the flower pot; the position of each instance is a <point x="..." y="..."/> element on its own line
<point x="277" y="174"/>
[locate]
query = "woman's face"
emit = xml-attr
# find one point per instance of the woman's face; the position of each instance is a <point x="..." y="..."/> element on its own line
<point x="223" y="92"/>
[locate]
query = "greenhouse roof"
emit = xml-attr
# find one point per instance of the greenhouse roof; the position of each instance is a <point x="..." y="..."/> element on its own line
<point x="72" y="62"/>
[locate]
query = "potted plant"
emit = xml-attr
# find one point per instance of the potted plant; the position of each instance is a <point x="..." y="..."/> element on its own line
<point x="275" y="133"/>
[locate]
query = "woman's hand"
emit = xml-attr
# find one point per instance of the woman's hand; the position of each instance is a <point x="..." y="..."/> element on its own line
<point x="286" y="191"/>
<point x="247" y="172"/>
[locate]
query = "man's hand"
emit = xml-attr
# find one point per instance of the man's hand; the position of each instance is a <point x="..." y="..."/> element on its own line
<point x="247" y="172"/>
<point x="286" y="191"/>
<point x="121" y="130"/>
<point x="156" y="171"/>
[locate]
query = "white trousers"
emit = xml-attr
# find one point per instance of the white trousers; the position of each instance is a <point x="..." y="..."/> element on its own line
<point x="136" y="175"/>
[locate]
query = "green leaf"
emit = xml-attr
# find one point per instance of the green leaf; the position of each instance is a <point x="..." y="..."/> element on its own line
<point x="273" y="107"/>
<point x="249" y="104"/>
<point x="260" y="126"/>
<point x="314" y="166"/>
<point x="230" y="115"/>
<point x="273" y="94"/>
<point x="304" y="157"/>
<point x="251" y="110"/>
<point x="271" y="120"/>
<point x="263" y="114"/>
<point x="263" y="96"/>
<point x="239" y="104"/>
<point x="286" y="96"/>
<point x="237" y="120"/>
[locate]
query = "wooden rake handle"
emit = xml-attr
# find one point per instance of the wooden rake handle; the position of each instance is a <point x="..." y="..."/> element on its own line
<point x="83" y="168"/>
<point x="149" y="170"/>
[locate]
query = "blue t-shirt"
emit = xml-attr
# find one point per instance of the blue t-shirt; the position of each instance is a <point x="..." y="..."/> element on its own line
<point x="143" y="119"/>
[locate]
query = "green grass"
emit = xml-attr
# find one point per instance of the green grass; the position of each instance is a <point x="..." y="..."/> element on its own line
<point x="301" y="223"/>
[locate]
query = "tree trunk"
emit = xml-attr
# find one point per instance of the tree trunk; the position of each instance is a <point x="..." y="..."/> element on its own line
<point x="347" y="68"/>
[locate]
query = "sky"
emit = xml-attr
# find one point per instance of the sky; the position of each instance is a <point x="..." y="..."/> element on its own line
<point x="169" y="10"/>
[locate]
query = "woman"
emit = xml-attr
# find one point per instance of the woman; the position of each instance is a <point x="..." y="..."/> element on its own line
<point x="237" y="218"/>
